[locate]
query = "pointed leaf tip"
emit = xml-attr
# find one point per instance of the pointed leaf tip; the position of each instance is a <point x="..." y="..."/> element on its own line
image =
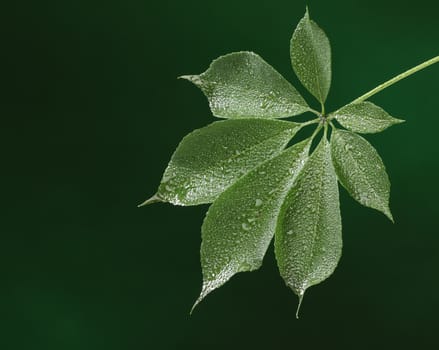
<point x="211" y="159"/>
<point x="361" y="171"/>
<point x="239" y="225"/>
<point x="243" y="85"/>
<point x="153" y="199"/>
<point x="195" y="304"/>
<point x="299" y="304"/>
<point x="310" y="53"/>
<point x="365" y="118"/>
<point x="205" y="290"/>
<point x="389" y="215"/>
<point x="308" y="240"/>
<point x="192" y="78"/>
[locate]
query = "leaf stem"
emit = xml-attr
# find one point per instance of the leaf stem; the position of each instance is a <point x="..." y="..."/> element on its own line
<point x="316" y="131"/>
<point x="325" y="131"/>
<point x="314" y="121"/>
<point x="317" y="113"/>
<point x="396" y="79"/>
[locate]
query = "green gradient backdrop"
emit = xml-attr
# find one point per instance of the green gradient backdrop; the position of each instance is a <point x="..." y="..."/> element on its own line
<point x="92" y="113"/>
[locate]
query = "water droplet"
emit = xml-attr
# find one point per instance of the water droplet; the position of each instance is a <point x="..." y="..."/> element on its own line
<point x="167" y="177"/>
<point x="245" y="226"/>
<point x="264" y="104"/>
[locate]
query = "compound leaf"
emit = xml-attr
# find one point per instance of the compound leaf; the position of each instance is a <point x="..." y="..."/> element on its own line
<point x="360" y="170"/>
<point x="243" y="85"/>
<point x="365" y="118"/>
<point x="310" y="53"/>
<point x="308" y="239"/>
<point x="258" y="188"/>
<point x="210" y="159"/>
<point x="240" y="224"/>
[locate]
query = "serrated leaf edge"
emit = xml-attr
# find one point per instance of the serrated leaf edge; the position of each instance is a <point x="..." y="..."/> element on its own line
<point x="386" y="207"/>
<point x="337" y="115"/>
<point x="301" y="292"/>
<point x="209" y="286"/>
<point x="293" y="130"/>
<point x="321" y="97"/>
<point x="197" y="80"/>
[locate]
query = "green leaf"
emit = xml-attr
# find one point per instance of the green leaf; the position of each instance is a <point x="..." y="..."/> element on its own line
<point x="240" y="224"/>
<point x="365" y="118"/>
<point x="308" y="240"/>
<point x="210" y="159"/>
<point x="258" y="189"/>
<point x="311" y="57"/>
<point x="360" y="170"/>
<point x="243" y="85"/>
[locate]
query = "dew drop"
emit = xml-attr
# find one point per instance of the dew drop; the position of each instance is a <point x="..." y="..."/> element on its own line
<point x="245" y="226"/>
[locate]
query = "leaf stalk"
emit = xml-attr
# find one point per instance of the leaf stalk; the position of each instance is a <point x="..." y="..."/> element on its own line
<point x="396" y="79"/>
<point x="314" y="121"/>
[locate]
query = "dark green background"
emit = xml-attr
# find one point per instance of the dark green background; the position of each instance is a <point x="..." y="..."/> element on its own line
<point x="92" y="112"/>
